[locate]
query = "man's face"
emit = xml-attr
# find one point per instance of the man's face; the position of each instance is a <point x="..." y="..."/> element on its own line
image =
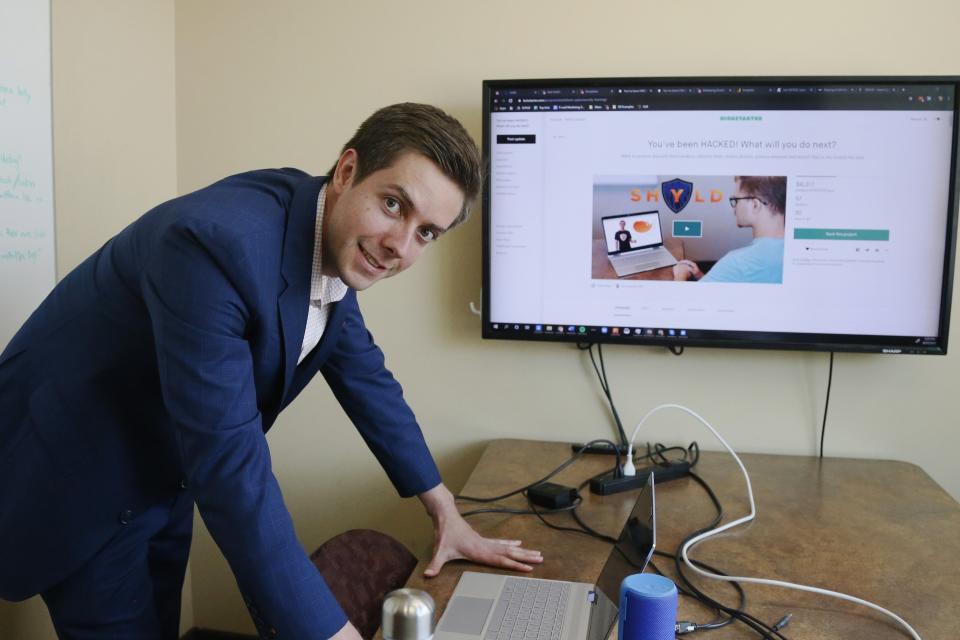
<point x="623" y="225"/>
<point x="378" y="227"/>
<point x="745" y="210"/>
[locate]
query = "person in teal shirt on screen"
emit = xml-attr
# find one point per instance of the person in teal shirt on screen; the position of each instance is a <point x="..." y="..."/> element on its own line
<point x="760" y="204"/>
<point x="759" y="261"/>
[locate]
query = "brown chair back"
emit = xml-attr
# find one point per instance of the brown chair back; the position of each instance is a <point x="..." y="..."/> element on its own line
<point x="361" y="567"/>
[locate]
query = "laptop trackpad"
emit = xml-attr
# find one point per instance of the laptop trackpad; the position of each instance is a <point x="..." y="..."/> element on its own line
<point x="466" y="615"/>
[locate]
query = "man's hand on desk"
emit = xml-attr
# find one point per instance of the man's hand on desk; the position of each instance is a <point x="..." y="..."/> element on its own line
<point x="454" y="539"/>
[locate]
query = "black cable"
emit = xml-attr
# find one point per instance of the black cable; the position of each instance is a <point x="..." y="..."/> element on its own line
<point x="716" y="624"/>
<point x="685" y="587"/>
<point x="826" y="405"/>
<point x="738" y="613"/>
<point x="656" y="450"/>
<point x="757" y="625"/>
<point x="691" y="453"/>
<point x="592" y="532"/>
<point x="747" y="619"/>
<point x="682" y="587"/>
<point x="563" y="466"/>
<point x="718" y="517"/>
<point x="585" y="529"/>
<point x="538" y="513"/>
<point x="523" y="512"/>
<point x="601" y="372"/>
<point x="766" y="631"/>
<point x="742" y="616"/>
<point x="606" y="385"/>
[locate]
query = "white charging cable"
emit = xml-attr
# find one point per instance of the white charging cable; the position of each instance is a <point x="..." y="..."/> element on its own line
<point x="629" y="470"/>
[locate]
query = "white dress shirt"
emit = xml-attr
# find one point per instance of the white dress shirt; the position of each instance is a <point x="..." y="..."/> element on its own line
<point x="324" y="290"/>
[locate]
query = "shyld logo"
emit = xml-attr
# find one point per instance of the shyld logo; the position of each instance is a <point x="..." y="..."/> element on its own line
<point x="676" y="194"/>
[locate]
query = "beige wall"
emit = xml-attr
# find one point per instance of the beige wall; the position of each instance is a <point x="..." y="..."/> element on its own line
<point x="285" y="83"/>
<point x="114" y="137"/>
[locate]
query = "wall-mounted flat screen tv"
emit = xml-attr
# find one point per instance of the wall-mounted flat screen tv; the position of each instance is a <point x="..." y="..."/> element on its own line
<point x="787" y="213"/>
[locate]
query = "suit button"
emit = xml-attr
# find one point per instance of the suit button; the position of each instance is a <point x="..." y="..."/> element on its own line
<point x="183" y="484"/>
<point x="126" y="516"/>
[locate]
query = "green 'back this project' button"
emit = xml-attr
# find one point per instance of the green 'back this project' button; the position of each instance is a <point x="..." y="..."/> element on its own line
<point x="882" y="235"/>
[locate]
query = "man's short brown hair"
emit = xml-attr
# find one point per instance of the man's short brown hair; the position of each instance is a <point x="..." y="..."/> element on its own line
<point x="424" y="129"/>
<point x="771" y="189"/>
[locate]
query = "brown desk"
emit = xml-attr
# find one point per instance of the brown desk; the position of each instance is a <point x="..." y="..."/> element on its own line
<point x="879" y="530"/>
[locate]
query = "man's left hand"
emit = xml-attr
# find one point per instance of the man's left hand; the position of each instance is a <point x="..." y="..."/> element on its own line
<point x="454" y="539"/>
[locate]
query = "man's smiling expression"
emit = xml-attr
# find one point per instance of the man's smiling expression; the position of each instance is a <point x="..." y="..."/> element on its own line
<point x="376" y="228"/>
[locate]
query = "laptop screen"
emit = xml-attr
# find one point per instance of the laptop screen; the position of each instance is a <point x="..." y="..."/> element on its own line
<point x="634" y="548"/>
<point x="630" y="555"/>
<point x="632" y="231"/>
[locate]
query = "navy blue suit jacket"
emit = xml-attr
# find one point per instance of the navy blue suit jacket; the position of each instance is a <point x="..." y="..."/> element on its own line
<point x="161" y="361"/>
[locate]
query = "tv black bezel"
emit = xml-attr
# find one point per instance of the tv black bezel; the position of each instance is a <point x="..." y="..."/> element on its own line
<point x="737" y="339"/>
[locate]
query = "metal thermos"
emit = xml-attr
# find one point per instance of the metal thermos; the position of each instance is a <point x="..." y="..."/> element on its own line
<point x="408" y="615"/>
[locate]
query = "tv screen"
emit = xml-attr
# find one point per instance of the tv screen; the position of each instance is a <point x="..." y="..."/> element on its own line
<point x="790" y="213"/>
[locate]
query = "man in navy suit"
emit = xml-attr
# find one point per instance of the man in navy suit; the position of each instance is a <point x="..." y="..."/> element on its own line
<point x="147" y="379"/>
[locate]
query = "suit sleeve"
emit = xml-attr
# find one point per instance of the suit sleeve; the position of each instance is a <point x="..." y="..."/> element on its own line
<point x="372" y="397"/>
<point x="194" y="288"/>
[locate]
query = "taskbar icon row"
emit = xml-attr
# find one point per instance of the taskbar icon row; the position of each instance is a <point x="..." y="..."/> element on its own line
<point x="588" y="331"/>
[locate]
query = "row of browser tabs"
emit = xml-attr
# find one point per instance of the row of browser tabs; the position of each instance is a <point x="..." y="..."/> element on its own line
<point x="725" y="97"/>
<point x="510" y="95"/>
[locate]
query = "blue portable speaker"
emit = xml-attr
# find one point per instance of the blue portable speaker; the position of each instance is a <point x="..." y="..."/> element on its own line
<point x="648" y="607"/>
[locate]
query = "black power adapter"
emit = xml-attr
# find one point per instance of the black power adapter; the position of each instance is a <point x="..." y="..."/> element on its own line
<point x="550" y="495"/>
<point x="614" y="482"/>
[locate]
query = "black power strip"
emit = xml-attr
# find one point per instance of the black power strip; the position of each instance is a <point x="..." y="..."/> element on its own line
<point x="600" y="447"/>
<point x="610" y="483"/>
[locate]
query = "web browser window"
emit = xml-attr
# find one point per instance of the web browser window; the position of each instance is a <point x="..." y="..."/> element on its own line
<point x="808" y="210"/>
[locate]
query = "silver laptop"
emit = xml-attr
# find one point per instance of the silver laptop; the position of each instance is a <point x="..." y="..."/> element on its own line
<point x="490" y="606"/>
<point x="635" y="243"/>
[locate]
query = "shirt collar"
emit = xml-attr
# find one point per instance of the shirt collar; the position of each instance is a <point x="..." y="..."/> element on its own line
<point x="323" y="289"/>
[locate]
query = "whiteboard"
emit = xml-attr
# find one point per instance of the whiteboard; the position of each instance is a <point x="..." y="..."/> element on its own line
<point x="27" y="248"/>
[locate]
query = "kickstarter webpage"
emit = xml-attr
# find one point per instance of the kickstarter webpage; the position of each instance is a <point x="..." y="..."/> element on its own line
<point x="790" y="213"/>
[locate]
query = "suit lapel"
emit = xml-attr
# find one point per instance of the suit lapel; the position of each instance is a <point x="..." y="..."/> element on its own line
<point x="296" y="269"/>
<point x="308" y="368"/>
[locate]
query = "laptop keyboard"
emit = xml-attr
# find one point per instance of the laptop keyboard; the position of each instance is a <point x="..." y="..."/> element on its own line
<point x="650" y="264"/>
<point x="529" y="609"/>
<point x="655" y="260"/>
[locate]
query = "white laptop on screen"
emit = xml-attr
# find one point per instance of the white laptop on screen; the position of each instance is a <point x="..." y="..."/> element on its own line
<point x="488" y="606"/>
<point x="635" y="243"/>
